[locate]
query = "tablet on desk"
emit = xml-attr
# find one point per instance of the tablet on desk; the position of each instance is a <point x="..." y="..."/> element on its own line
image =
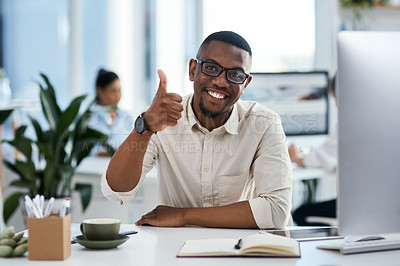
<point x="308" y="233"/>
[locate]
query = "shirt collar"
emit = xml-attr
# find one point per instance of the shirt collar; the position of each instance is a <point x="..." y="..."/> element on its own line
<point x="231" y="125"/>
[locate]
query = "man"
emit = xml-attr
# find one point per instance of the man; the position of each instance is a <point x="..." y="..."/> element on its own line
<point x="221" y="162"/>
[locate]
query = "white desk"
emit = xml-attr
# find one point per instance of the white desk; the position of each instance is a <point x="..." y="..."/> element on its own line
<point x="159" y="246"/>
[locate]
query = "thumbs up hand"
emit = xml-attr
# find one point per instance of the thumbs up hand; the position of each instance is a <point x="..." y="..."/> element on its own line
<point x="166" y="108"/>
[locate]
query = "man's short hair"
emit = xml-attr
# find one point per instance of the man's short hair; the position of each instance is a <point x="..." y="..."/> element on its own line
<point x="228" y="37"/>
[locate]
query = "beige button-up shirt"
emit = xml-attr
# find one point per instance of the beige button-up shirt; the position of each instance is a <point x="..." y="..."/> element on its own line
<point x="245" y="159"/>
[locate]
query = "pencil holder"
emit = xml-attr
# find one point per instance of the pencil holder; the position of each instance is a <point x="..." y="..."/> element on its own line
<point x="49" y="238"/>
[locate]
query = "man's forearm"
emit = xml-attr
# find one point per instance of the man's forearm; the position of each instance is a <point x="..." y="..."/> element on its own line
<point x="125" y="168"/>
<point x="236" y="215"/>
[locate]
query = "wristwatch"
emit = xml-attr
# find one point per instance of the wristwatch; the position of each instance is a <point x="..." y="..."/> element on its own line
<point x="140" y="124"/>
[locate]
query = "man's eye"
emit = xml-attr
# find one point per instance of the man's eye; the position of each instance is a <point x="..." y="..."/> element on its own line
<point x="236" y="75"/>
<point x="211" y="68"/>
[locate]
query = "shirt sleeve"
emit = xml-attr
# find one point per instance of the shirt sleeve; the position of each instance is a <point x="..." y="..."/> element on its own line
<point x="148" y="161"/>
<point x="324" y="156"/>
<point x="272" y="174"/>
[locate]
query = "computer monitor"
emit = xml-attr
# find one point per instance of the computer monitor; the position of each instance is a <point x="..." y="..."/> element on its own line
<point x="369" y="132"/>
<point x="300" y="98"/>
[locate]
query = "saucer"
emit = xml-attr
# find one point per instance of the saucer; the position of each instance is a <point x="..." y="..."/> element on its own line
<point x="101" y="244"/>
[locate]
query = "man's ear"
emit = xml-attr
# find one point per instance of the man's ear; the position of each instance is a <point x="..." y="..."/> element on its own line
<point x="192" y="69"/>
<point x="248" y="80"/>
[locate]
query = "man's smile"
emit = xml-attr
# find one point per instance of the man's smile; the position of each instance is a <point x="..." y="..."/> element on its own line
<point x="216" y="94"/>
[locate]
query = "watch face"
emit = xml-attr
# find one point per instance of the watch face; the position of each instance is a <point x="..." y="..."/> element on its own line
<point x="139" y="125"/>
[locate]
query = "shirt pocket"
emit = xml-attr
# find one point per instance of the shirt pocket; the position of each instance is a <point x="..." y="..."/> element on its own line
<point x="231" y="188"/>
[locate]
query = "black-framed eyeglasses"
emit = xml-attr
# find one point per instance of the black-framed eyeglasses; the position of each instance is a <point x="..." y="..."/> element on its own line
<point x="235" y="76"/>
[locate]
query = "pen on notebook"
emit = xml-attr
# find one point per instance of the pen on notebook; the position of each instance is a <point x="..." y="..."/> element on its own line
<point x="238" y="244"/>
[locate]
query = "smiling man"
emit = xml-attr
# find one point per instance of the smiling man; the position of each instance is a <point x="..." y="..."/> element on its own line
<point x="222" y="162"/>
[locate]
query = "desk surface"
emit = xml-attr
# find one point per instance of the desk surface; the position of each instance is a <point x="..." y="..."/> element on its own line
<point x="159" y="246"/>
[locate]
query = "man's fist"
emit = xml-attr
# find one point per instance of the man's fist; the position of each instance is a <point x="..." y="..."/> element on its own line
<point x="166" y="108"/>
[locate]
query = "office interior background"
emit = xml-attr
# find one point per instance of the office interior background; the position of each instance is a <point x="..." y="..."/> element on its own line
<point x="69" y="40"/>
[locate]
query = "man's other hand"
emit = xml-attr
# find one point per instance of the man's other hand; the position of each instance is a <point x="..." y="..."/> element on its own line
<point x="163" y="216"/>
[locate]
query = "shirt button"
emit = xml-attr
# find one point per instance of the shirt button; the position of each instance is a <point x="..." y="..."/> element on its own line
<point x="208" y="137"/>
<point x="205" y="169"/>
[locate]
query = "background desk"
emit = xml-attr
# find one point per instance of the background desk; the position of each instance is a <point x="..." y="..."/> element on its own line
<point x="315" y="184"/>
<point x="159" y="246"/>
<point x="90" y="171"/>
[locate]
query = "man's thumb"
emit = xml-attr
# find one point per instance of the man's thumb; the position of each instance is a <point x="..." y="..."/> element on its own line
<point x="162" y="87"/>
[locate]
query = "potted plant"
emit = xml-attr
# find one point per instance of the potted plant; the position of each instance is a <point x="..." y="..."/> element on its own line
<point x="49" y="161"/>
<point x="359" y="7"/>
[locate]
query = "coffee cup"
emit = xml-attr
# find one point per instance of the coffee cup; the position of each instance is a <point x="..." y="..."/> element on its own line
<point x="100" y="228"/>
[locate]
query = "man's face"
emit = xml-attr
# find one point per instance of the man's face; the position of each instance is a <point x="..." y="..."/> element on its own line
<point x="215" y="96"/>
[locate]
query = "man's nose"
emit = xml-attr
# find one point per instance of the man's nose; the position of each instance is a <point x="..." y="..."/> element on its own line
<point x="221" y="80"/>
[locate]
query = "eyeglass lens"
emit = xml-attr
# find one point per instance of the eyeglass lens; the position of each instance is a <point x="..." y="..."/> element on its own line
<point x="232" y="75"/>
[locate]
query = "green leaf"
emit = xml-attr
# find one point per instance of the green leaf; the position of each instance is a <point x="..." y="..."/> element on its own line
<point x="21" y="143"/>
<point x="48" y="109"/>
<point x="20" y="131"/>
<point x="110" y="149"/>
<point x="67" y="172"/>
<point x="22" y="184"/>
<point x="27" y="169"/>
<point x="13" y="168"/>
<point x="11" y="205"/>
<point x="69" y="115"/>
<point x="50" y="180"/>
<point x="38" y="129"/>
<point x="85" y="191"/>
<point x="48" y="154"/>
<point x="83" y="122"/>
<point x="48" y="100"/>
<point x="4" y="115"/>
<point x="82" y="150"/>
<point x="83" y="145"/>
<point x="50" y="90"/>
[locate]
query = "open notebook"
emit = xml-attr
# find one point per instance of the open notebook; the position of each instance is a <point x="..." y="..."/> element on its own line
<point x="257" y="245"/>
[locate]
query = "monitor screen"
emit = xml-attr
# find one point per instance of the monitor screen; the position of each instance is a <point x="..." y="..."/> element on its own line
<point x="300" y="98"/>
<point x="369" y="132"/>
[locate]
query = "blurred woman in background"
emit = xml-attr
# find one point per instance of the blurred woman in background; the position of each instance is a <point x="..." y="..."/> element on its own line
<point x="105" y="114"/>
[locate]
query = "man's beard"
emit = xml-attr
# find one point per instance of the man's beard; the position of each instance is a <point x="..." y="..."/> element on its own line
<point x="208" y="113"/>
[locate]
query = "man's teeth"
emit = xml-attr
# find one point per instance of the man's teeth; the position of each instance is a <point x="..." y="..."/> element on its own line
<point x="216" y="94"/>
